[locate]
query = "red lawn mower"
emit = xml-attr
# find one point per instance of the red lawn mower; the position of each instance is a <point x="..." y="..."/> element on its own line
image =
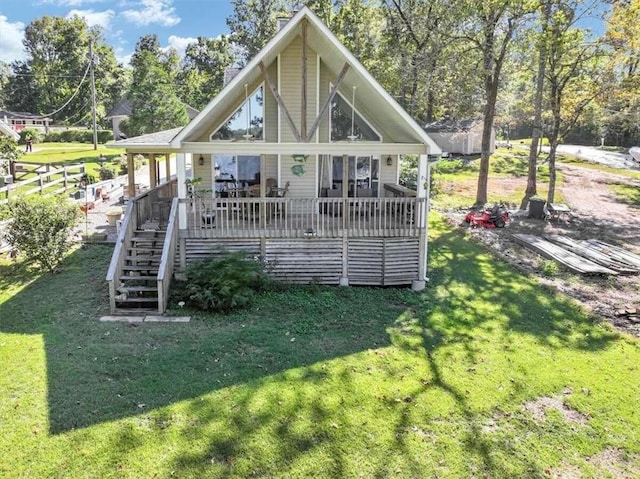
<point x="494" y="217"/>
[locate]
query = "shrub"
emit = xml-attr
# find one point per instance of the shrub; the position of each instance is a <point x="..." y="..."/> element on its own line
<point x="79" y="136"/>
<point x="106" y="173"/>
<point x="223" y="283"/>
<point x="138" y="161"/>
<point x="549" y="268"/>
<point x="41" y="228"/>
<point x="33" y="133"/>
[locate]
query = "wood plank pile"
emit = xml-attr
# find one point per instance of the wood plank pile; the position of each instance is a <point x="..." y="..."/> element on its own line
<point x="584" y="257"/>
<point x="630" y="314"/>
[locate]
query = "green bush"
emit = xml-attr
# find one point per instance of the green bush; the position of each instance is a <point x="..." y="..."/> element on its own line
<point x="41" y="228"/>
<point x="33" y="133"/>
<point x="223" y="283"/>
<point x="78" y="136"/>
<point x="106" y="173"/>
<point x="138" y="161"/>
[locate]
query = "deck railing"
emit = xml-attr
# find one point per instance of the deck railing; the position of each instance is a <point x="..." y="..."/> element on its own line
<point x="167" y="261"/>
<point x="156" y="203"/>
<point x="127" y="229"/>
<point x="304" y="217"/>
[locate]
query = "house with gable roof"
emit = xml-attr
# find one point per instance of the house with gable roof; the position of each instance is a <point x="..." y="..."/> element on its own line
<point x="296" y="160"/>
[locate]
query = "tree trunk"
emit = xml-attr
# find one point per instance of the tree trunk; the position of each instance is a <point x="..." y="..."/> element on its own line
<point x="487" y="128"/>
<point x="553" y="146"/>
<point x="536" y="136"/>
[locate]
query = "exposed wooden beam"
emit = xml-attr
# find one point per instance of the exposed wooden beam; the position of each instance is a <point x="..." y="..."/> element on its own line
<point x="131" y="176"/>
<point x="280" y="102"/>
<point x="328" y="101"/>
<point x="303" y="103"/>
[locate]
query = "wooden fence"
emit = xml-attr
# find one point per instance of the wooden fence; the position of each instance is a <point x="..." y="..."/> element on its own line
<point x="43" y="183"/>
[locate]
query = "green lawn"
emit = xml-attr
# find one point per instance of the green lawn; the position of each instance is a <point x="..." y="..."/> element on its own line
<point x="62" y="154"/>
<point x="484" y="374"/>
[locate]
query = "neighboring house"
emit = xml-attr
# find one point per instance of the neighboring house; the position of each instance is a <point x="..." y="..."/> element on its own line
<point x="6" y="130"/>
<point x="283" y="168"/>
<point x="19" y="120"/>
<point x="122" y="110"/>
<point x="463" y="137"/>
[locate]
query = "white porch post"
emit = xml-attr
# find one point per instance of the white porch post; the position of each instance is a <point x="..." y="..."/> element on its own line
<point x="423" y="189"/>
<point x="181" y="167"/>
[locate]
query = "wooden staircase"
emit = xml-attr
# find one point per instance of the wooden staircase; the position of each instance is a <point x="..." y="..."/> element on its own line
<point x="137" y="290"/>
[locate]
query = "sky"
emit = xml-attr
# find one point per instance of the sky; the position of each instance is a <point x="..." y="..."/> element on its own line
<point x="176" y="22"/>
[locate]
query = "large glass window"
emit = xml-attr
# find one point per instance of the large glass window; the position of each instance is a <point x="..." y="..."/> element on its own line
<point x="362" y="174"/>
<point x="341" y="122"/>
<point x="247" y="123"/>
<point x="236" y="171"/>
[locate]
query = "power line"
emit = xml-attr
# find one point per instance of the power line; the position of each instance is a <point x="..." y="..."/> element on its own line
<point x="75" y="93"/>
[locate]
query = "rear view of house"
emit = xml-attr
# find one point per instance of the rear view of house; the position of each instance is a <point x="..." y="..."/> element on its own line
<point x="296" y="160"/>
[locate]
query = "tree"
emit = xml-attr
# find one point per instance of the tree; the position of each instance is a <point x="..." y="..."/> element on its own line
<point x="154" y="103"/>
<point x="536" y="136"/>
<point x="574" y="78"/>
<point x="622" y="102"/>
<point x="41" y="228"/>
<point x="253" y="23"/>
<point x="489" y="26"/>
<point x="56" y="67"/>
<point x="202" y="70"/>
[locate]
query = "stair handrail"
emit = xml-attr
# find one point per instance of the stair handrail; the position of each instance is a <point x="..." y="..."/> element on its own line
<point x="167" y="260"/>
<point x="127" y="228"/>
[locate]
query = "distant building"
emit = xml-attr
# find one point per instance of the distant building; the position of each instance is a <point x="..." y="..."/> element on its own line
<point x="122" y="110"/>
<point x="463" y="137"/>
<point x="6" y="130"/>
<point x="19" y="120"/>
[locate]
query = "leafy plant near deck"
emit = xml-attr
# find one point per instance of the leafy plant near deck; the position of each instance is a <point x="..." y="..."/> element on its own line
<point x="226" y="282"/>
<point x="41" y="228"/>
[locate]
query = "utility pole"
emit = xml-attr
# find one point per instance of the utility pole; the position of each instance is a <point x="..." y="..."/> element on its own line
<point x="93" y="96"/>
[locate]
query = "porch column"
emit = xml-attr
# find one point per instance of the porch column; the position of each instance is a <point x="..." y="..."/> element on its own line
<point x="181" y="170"/>
<point x="167" y="166"/>
<point x="344" y="280"/>
<point x="131" y="176"/>
<point x="421" y="222"/>
<point x="153" y="178"/>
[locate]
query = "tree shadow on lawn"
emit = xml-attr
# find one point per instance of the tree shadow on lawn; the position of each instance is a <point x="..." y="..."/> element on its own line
<point x="100" y="372"/>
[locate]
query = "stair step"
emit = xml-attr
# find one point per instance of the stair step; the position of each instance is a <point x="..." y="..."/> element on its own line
<point x="137" y="299"/>
<point x="137" y="289"/>
<point x="138" y="278"/>
<point x="130" y="267"/>
<point x="142" y="257"/>
<point x="134" y="311"/>
<point x="147" y="239"/>
<point x="144" y="249"/>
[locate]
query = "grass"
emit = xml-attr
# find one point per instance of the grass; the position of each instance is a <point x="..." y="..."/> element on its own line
<point x="62" y="154"/>
<point x="456" y="181"/>
<point x="315" y="381"/>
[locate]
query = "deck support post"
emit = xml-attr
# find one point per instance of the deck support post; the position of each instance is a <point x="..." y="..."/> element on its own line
<point x="167" y="166"/>
<point x="421" y="220"/>
<point x="153" y="179"/>
<point x="181" y="162"/>
<point x="344" y="279"/>
<point x="131" y="176"/>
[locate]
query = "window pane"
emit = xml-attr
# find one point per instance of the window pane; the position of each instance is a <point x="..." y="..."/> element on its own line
<point x="341" y="122"/>
<point x="238" y="126"/>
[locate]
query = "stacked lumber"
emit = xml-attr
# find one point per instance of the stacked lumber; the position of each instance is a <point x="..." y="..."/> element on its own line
<point x="570" y="260"/>
<point x="601" y="255"/>
<point x="620" y="254"/>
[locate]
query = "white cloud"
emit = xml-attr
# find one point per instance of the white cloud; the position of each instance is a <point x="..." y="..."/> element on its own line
<point x="101" y="19"/>
<point x="11" y="36"/>
<point x="180" y="43"/>
<point x="70" y="3"/>
<point x="153" y="11"/>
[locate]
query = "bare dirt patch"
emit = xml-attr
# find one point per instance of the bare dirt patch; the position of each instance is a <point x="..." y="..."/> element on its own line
<point x="542" y="405"/>
<point x="597" y="213"/>
<point x="617" y="463"/>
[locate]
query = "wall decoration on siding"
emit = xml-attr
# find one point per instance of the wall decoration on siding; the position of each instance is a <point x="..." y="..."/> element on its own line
<point x="298" y="168"/>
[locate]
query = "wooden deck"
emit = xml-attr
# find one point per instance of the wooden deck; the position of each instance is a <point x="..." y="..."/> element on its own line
<point x="304" y="217"/>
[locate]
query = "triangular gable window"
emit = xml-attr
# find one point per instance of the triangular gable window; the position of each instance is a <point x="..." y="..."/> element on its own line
<point x="341" y="122"/>
<point x="247" y="122"/>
